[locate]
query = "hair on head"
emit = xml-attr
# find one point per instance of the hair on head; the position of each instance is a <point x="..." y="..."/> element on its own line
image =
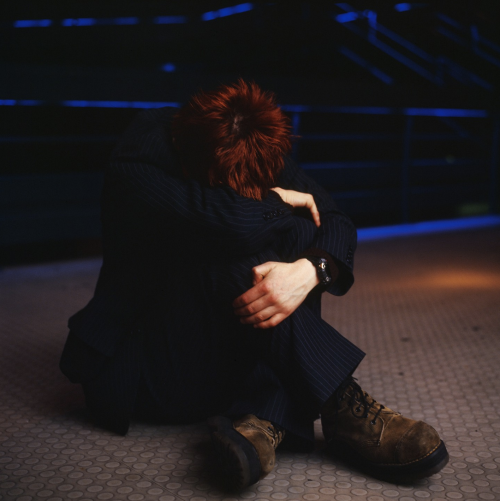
<point x="235" y="135"/>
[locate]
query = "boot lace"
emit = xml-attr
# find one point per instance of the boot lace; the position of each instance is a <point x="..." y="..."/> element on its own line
<point x="358" y="400"/>
<point x="278" y="434"/>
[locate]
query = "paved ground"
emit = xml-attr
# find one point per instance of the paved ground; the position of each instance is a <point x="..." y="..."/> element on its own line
<point x="425" y="309"/>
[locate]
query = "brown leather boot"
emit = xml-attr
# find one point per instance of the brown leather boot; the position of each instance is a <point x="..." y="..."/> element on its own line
<point x="378" y="440"/>
<point x="245" y="448"/>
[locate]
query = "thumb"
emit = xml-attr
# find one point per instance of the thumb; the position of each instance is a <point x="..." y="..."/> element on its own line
<point x="259" y="272"/>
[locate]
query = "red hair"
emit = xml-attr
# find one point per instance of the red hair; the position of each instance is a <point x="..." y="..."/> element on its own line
<point x="235" y="135"/>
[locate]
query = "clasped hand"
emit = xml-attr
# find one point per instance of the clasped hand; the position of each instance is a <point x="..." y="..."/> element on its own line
<point x="278" y="288"/>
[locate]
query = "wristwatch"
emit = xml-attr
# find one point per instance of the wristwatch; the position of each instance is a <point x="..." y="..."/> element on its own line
<point x="322" y="270"/>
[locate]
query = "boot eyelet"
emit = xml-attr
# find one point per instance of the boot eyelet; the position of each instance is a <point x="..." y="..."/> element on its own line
<point x="357" y="409"/>
<point x="373" y="422"/>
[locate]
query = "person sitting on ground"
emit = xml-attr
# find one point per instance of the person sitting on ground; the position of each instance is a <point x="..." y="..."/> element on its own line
<point x="217" y="249"/>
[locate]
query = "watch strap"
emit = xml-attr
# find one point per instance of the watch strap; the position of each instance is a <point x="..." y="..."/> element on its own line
<point x="322" y="270"/>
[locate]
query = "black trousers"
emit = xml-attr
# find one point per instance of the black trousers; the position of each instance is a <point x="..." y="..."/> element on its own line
<point x="184" y="369"/>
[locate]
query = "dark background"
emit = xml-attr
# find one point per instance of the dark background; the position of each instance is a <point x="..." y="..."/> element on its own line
<point x="369" y="87"/>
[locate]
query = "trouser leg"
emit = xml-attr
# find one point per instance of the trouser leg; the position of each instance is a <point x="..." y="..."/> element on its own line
<point x="301" y="361"/>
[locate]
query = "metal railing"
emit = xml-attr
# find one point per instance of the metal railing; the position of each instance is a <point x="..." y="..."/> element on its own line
<point x="488" y="141"/>
<point x="365" y="25"/>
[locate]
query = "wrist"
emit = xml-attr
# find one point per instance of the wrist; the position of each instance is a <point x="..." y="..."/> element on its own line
<point x="322" y="271"/>
<point x="312" y="279"/>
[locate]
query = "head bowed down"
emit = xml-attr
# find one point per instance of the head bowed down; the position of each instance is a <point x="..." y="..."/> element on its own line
<point x="235" y="136"/>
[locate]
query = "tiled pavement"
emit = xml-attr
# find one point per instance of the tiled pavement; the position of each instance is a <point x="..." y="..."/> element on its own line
<point x="425" y="309"/>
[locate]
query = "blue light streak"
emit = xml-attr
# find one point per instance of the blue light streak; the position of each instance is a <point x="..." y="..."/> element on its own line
<point x="227" y="11"/>
<point x="124" y="21"/>
<point x="464" y="75"/>
<point x="170" y="19"/>
<point x="402" y="7"/>
<point x="489" y="43"/>
<point x="404" y="43"/>
<point x="29" y="102"/>
<point x="168" y="67"/>
<point x="488" y="58"/>
<point x="430" y="162"/>
<point x="452" y="36"/>
<point x="365" y="64"/>
<point x="449" y="20"/>
<point x="296" y="108"/>
<point x="464" y="43"/>
<point x="57" y="139"/>
<point x="446" y="112"/>
<point x="404" y="60"/>
<point x="426" y="227"/>
<point x="91" y="21"/>
<point x="346" y="17"/>
<point x="118" y="104"/>
<point x="112" y="21"/>
<point x="83" y="21"/>
<point x="33" y="23"/>
<point x="291" y="108"/>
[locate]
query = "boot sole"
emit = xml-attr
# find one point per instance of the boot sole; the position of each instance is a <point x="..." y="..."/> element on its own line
<point x="404" y="473"/>
<point x="237" y="457"/>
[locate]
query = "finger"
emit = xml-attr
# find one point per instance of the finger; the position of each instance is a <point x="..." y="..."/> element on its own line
<point x="259" y="317"/>
<point x="257" y="277"/>
<point x="263" y="269"/>
<point x="315" y="215"/>
<point x="303" y="199"/>
<point x="259" y="272"/>
<point x="271" y="322"/>
<point x="266" y="301"/>
<point x="311" y="205"/>
<point x="251" y="295"/>
<point x="260" y="288"/>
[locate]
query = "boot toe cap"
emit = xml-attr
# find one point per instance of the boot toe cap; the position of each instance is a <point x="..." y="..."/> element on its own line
<point x="418" y="442"/>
